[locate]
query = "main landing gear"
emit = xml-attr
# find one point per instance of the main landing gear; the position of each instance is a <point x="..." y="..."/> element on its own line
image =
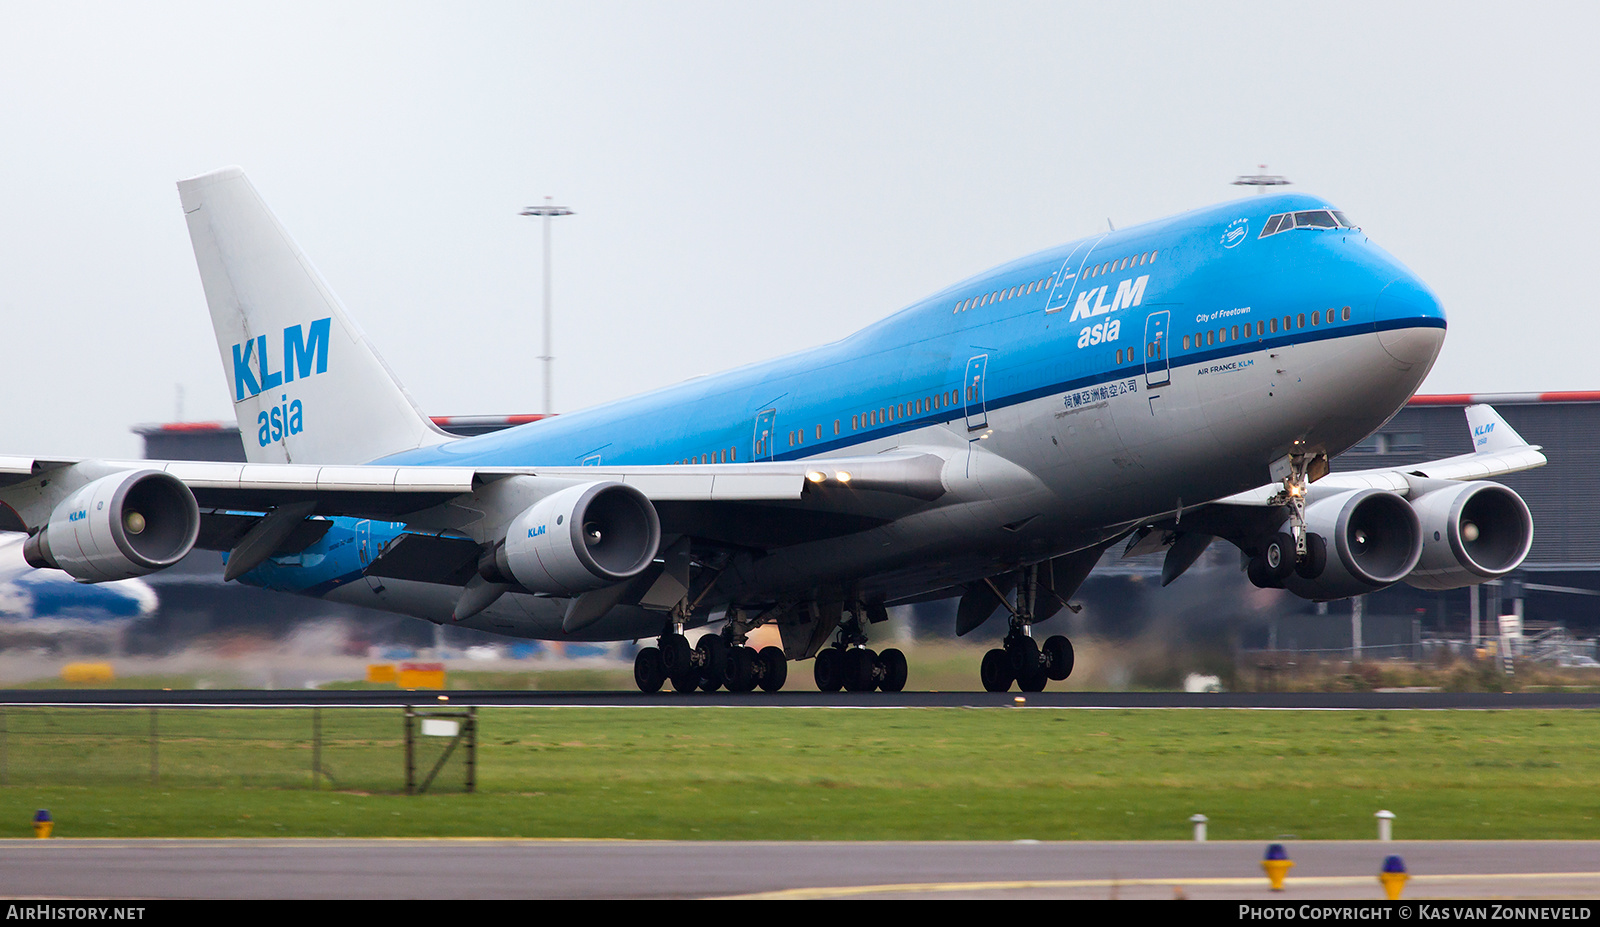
<point x="1019" y="658"/>
<point x="1024" y="662"/>
<point x="848" y="664"/>
<point x="716" y="662"/>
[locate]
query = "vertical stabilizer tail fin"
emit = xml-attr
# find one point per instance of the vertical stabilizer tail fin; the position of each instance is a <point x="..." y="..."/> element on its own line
<point x="1490" y="433"/>
<point x="306" y="385"/>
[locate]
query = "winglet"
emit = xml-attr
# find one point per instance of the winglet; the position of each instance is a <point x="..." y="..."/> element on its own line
<point x="1490" y="433"/>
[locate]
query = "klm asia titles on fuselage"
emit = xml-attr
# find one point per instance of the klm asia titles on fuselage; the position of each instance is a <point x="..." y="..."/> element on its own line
<point x="304" y="353"/>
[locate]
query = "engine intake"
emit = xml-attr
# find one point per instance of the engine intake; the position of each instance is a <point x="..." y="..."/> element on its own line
<point x="581" y="538"/>
<point x="120" y="526"/>
<point x="1471" y="533"/>
<point x="1374" y="540"/>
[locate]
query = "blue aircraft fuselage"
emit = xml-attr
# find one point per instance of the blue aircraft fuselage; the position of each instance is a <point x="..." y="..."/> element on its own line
<point x="1130" y="371"/>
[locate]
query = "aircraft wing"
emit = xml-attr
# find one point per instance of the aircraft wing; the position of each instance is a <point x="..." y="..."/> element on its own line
<point x="1497" y="450"/>
<point x="375" y="491"/>
<point x="722" y="502"/>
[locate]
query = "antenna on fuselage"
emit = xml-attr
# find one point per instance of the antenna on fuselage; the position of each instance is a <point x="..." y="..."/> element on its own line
<point x="1262" y="180"/>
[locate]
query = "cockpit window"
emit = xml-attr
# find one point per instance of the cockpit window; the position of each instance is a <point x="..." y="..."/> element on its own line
<point x="1305" y="219"/>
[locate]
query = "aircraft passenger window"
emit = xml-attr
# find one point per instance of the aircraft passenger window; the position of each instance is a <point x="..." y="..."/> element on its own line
<point x="1211" y="338"/>
<point x="1185" y="347"/>
<point x="1316" y="318"/>
<point x="1300" y="320"/>
<point x="1274" y="326"/>
<point x="1287" y="326"/>
<point x="1330" y="316"/>
<point x="1346" y="315"/>
<point x="835" y="426"/>
<point x="1236" y="333"/>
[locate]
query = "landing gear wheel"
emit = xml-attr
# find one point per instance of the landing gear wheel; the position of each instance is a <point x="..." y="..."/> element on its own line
<point x="741" y="669"/>
<point x="713" y="659"/>
<point x="685" y="682"/>
<point x="996" y="671"/>
<point x="648" y="673"/>
<point x="1316" y="559"/>
<point x="1257" y="572"/>
<point x="1034" y="682"/>
<point x="858" y="666"/>
<point x="829" y="670"/>
<point x="676" y="654"/>
<point x="1059" y="657"/>
<point x="893" y="662"/>
<point x="1024" y="656"/>
<point x="777" y="669"/>
<point x="1278" y="557"/>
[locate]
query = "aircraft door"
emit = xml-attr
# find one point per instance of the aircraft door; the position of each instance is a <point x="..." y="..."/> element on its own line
<point x="972" y="389"/>
<point x="1067" y="277"/>
<point x="364" y="542"/>
<point x="761" y="445"/>
<point x="1157" y="367"/>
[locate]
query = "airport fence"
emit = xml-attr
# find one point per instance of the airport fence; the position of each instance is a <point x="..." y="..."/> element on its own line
<point x="366" y="749"/>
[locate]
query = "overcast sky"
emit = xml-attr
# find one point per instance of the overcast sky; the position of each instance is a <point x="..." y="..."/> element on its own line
<point x="748" y="177"/>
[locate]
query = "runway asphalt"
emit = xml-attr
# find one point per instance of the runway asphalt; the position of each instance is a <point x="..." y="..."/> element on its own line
<point x="590" y="869"/>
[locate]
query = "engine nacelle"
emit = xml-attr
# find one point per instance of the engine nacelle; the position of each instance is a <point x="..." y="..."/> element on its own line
<point x="1471" y="533"/>
<point x="120" y="526"/>
<point x="581" y="538"/>
<point x="1374" y="540"/>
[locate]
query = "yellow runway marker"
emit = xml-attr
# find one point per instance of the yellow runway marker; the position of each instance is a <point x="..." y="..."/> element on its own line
<point x="1246" y="882"/>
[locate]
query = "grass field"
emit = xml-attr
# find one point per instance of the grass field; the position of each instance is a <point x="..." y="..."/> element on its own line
<point x="811" y="773"/>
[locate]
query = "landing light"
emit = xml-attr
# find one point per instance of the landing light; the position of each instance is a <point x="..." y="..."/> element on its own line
<point x="816" y="476"/>
<point x="842" y="476"/>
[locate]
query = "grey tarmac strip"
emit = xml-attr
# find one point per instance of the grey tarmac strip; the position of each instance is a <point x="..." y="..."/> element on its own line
<point x="1348" y="701"/>
<point x="490" y="869"/>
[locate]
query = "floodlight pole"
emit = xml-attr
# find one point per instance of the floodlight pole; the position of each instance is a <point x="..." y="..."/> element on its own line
<point x="1261" y="181"/>
<point x="547" y="212"/>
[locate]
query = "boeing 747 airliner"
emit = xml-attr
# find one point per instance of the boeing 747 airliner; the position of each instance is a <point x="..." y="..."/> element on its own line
<point x="1161" y="385"/>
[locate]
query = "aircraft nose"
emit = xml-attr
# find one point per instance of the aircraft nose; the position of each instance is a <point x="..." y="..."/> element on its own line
<point x="1410" y="321"/>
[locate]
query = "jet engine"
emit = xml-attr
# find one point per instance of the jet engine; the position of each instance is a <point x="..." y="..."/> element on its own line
<point x="578" y="539"/>
<point x="120" y="526"/>
<point x="1471" y="533"/>
<point x="1373" y="540"/>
